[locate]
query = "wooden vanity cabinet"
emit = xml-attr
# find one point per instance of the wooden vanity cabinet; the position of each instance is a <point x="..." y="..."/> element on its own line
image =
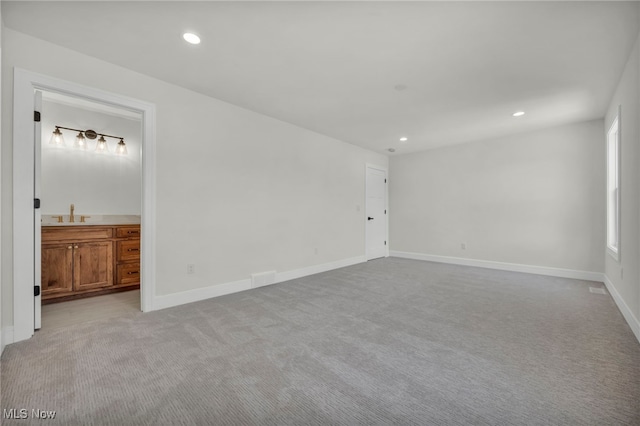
<point x="128" y="255"/>
<point x="92" y="265"/>
<point x="57" y="269"/>
<point x="80" y="261"/>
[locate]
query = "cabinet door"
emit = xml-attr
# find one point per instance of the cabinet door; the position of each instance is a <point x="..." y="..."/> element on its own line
<point x="92" y="265"/>
<point x="56" y="269"/>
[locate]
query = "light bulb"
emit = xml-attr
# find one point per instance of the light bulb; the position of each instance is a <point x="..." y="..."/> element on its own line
<point x="57" y="138"/>
<point x="121" y="148"/>
<point x="101" y="146"/>
<point x="81" y="142"/>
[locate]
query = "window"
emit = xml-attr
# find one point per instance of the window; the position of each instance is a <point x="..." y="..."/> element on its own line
<point x="613" y="189"/>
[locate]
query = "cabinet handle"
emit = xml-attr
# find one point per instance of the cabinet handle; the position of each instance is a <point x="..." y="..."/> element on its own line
<point x="133" y="272"/>
<point x="133" y="249"/>
<point x="133" y="232"/>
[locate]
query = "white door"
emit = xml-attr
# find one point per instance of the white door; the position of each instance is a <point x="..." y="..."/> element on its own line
<point x="37" y="282"/>
<point x="376" y="213"/>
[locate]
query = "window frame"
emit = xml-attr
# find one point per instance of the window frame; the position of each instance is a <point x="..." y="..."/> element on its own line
<point x="613" y="201"/>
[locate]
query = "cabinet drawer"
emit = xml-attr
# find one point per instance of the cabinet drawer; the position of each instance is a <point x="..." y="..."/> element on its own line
<point x="128" y="232"/>
<point x="128" y="273"/>
<point x="80" y="233"/>
<point x="127" y="250"/>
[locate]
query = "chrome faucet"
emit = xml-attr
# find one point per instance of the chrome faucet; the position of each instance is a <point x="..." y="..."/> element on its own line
<point x="71" y="218"/>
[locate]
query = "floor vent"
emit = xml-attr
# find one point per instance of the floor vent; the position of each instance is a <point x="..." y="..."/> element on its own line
<point x="597" y="290"/>
<point x="263" y="278"/>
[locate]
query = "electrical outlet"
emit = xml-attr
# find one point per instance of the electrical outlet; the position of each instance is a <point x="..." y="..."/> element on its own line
<point x="191" y="269"/>
<point x="463" y="246"/>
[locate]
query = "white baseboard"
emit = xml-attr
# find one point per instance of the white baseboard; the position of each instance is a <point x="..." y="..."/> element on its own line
<point x="316" y="269"/>
<point x="6" y="337"/>
<point x="624" y="309"/>
<point x="195" y="295"/>
<point x="540" y="270"/>
<point x="503" y="266"/>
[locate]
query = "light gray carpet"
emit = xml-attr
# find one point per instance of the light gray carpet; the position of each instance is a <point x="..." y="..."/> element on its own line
<point x="392" y="341"/>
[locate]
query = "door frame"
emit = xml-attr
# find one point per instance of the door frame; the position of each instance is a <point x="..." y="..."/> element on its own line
<point x="37" y="214"/>
<point x="385" y="169"/>
<point x="25" y="83"/>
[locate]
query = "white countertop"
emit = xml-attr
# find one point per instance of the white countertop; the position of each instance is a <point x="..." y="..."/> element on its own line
<point x="92" y="219"/>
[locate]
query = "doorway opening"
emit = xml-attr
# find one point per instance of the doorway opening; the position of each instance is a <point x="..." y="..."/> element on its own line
<point x="88" y="179"/>
<point x="376" y="221"/>
<point x="27" y="292"/>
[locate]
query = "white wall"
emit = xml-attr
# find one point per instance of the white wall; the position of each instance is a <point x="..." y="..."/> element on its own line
<point x="237" y="192"/>
<point x="97" y="184"/>
<point x="624" y="275"/>
<point x="529" y="199"/>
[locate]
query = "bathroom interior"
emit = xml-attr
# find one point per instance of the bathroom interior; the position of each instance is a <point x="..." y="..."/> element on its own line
<point x="90" y="192"/>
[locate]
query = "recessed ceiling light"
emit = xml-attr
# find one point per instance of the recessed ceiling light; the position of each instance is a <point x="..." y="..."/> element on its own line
<point x="403" y="139"/>
<point x="191" y="38"/>
<point x="518" y="114"/>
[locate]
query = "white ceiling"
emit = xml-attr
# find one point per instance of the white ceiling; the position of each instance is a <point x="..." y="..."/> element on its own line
<point x="334" y="67"/>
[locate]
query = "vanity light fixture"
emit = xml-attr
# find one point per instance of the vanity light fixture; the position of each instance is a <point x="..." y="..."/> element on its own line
<point x="121" y="148"/>
<point x="101" y="146"/>
<point x="518" y="114"/>
<point x="81" y="141"/>
<point x="403" y="139"/>
<point x="57" y="138"/>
